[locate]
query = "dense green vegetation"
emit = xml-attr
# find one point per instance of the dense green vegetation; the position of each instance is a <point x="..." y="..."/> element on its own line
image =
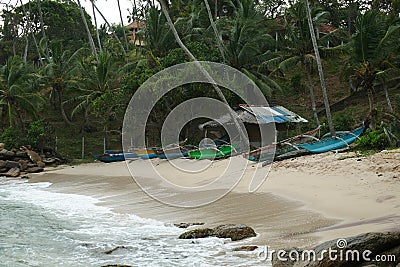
<point x="61" y="80"/>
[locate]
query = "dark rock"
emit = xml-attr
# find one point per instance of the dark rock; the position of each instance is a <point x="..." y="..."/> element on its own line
<point x="25" y="177"/>
<point x="2" y="164"/>
<point x="234" y="231"/>
<point x="3" y="170"/>
<point x="197" y="233"/>
<point x="113" y="249"/>
<point x="13" y="172"/>
<point x="11" y="164"/>
<point x="246" y="248"/>
<point x="376" y="243"/>
<point x="186" y="225"/>
<point x="34" y="170"/>
<point x="9" y="154"/>
<point x="21" y="154"/>
<point x="23" y="164"/>
<point x="288" y="262"/>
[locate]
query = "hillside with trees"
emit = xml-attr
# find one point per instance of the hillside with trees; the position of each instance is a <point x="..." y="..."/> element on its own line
<point x="64" y="77"/>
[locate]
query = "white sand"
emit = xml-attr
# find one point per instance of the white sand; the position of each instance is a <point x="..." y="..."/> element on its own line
<point x="304" y="201"/>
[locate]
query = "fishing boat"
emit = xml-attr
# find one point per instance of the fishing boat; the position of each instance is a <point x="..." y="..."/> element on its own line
<point x="222" y="151"/>
<point x="344" y="139"/>
<point x="173" y="151"/>
<point x="145" y="153"/>
<point x="114" y="156"/>
<point x="283" y="149"/>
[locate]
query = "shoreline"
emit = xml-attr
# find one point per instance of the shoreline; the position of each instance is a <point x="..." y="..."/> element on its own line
<point x="304" y="201"/>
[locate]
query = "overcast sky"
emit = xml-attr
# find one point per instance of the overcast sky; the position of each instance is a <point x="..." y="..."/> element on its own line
<point x="109" y="8"/>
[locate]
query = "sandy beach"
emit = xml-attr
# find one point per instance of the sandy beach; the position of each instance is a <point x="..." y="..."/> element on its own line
<point x="303" y="202"/>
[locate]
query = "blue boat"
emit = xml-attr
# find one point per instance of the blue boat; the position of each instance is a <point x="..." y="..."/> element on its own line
<point x="342" y="140"/>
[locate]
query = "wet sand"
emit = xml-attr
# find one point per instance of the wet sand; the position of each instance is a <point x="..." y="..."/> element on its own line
<point x="303" y="202"/>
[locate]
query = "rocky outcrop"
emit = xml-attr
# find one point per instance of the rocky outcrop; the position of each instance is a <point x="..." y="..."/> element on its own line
<point x="14" y="163"/>
<point x="233" y="231"/>
<point x="361" y="250"/>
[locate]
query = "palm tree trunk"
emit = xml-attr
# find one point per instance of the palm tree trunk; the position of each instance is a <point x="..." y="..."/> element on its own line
<point x="62" y="110"/>
<point x="91" y="42"/>
<point x="97" y="28"/>
<point x="122" y="25"/>
<point x="33" y="35"/>
<point x="202" y="70"/>
<point x="42" y="27"/>
<point x="217" y="35"/>
<point x="312" y="96"/>
<point x="390" y="107"/>
<point x="109" y="26"/>
<point x="320" y="70"/>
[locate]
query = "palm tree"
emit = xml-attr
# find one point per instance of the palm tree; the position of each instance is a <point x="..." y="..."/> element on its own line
<point x="248" y="45"/>
<point x="17" y="91"/>
<point x="122" y="25"/>
<point x="297" y="48"/>
<point x="320" y="71"/>
<point x="60" y="74"/>
<point x="218" y="37"/>
<point x="159" y="39"/>
<point x="42" y="24"/>
<point x="95" y="80"/>
<point x="164" y="5"/>
<point x="89" y="35"/>
<point x="373" y="43"/>
<point x="96" y="26"/>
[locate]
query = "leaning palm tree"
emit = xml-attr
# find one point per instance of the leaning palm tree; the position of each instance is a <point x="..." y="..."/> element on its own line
<point x="96" y="26"/>
<point x="164" y="6"/>
<point x="297" y="48"/>
<point x="91" y="42"/>
<point x="122" y="25"/>
<point x="320" y="70"/>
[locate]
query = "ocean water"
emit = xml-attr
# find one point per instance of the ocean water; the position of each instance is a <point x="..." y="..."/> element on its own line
<point x="43" y="228"/>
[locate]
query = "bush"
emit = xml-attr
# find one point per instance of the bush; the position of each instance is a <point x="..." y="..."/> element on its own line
<point x="343" y="121"/>
<point x="11" y="137"/>
<point x="374" y="140"/>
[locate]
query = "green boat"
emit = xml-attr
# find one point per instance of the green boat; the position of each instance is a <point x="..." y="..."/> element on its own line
<point x="212" y="153"/>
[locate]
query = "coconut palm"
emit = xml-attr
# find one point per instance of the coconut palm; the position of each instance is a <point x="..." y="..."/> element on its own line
<point x="96" y="79"/>
<point x="89" y="34"/>
<point x="17" y="91"/>
<point x="60" y="74"/>
<point x="248" y="45"/>
<point x="122" y="24"/>
<point x="373" y="43"/>
<point x="297" y="48"/>
<point x="320" y="71"/>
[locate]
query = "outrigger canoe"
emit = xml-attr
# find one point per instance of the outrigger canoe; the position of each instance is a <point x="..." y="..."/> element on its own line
<point x="282" y="149"/>
<point x="342" y="140"/>
<point x="212" y="153"/>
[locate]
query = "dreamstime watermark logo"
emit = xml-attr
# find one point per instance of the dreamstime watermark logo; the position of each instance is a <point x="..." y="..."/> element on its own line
<point x="339" y="253"/>
<point x="205" y="181"/>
